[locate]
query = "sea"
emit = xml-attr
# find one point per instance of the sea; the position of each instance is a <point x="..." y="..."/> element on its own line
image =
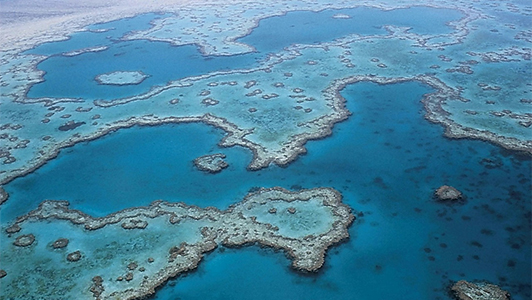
<point x="386" y="159"/>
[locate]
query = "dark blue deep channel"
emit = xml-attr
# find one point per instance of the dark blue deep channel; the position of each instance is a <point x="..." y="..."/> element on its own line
<point x="387" y="164"/>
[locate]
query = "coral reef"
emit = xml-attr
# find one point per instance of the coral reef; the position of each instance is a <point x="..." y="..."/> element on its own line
<point x="464" y="290"/>
<point x="448" y="193"/>
<point x="305" y="225"/>
<point x="121" y="78"/>
<point x="213" y="163"/>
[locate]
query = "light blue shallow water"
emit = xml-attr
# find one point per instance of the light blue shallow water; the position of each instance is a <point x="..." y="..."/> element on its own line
<point x="386" y="160"/>
<point x="74" y="76"/>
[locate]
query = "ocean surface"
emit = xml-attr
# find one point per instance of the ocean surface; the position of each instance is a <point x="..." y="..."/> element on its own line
<point x="386" y="160"/>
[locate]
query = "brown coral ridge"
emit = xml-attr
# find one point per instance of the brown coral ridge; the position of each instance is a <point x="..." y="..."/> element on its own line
<point x="60" y="243"/>
<point x="234" y="227"/>
<point x="74" y="256"/>
<point x="3" y="195"/>
<point x="446" y="193"/>
<point x="463" y="290"/>
<point x="213" y="163"/>
<point x="24" y="240"/>
<point x="97" y="288"/>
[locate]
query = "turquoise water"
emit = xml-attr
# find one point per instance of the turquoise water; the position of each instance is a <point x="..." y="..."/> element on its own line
<point x="386" y="160"/>
<point x="73" y="77"/>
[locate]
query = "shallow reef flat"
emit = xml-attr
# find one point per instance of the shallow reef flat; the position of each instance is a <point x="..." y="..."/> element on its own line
<point x="55" y="250"/>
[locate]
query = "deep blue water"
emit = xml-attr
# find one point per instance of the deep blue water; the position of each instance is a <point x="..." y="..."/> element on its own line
<point x="385" y="159"/>
<point x="74" y="76"/>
